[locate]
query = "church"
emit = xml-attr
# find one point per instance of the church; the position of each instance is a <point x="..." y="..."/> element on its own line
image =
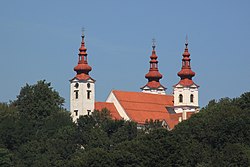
<point x="152" y="103"/>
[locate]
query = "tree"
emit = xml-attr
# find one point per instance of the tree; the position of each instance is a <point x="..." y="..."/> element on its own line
<point x="9" y="118"/>
<point x="5" y="157"/>
<point x="243" y="101"/>
<point x="152" y="125"/>
<point x="38" y="101"/>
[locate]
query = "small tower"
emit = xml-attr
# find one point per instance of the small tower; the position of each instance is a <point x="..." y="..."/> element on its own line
<point x="82" y="86"/>
<point x="186" y="91"/>
<point x="153" y="86"/>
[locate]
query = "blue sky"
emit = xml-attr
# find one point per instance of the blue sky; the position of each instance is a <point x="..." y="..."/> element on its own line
<point x="40" y="40"/>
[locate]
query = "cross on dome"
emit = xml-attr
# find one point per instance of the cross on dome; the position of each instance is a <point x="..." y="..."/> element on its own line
<point x="83" y="29"/>
<point x="153" y="43"/>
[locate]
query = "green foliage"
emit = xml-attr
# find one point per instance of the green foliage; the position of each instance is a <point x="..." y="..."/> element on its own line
<point x="4" y="107"/>
<point x="152" y="125"/>
<point x="5" y="157"/>
<point x="38" y="101"/>
<point x="243" y="101"/>
<point x="220" y="129"/>
<point x="99" y="130"/>
<point x="9" y="136"/>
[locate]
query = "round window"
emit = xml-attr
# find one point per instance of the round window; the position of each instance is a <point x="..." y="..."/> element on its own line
<point x="88" y="85"/>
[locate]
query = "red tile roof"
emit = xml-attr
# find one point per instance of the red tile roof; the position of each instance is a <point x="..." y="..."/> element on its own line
<point x="110" y="106"/>
<point x="186" y="82"/>
<point x="145" y="106"/>
<point x="154" y="84"/>
<point x="82" y="76"/>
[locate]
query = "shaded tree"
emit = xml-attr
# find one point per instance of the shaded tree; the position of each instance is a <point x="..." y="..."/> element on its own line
<point x="5" y="157"/>
<point x="38" y="101"/>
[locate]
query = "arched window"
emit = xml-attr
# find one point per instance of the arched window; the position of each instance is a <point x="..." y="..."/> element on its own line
<point x="191" y="98"/>
<point x="76" y="94"/>
<point x="180" y="98"/>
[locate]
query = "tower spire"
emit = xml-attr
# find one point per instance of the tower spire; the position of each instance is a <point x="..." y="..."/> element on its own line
<point x="186" y="74"/>
<point x="153" y="76"/>
<point x="82" y="69"/>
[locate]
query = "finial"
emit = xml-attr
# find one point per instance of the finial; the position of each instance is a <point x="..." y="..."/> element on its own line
<point x="186" y="43"/>
<point x="83" y="29"/>
<point x="153" y="43"/>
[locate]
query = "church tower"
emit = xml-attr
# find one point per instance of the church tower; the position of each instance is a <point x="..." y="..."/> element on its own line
<point x="186" y="91"/>
<point x="82" y="86"/>
<point x="153" y="86"/>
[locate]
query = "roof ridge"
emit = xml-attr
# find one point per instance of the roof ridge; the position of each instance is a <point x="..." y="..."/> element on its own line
<point x="148" y="110"/>
<point x="142" y="102"/>
<point x="103" y="102"/>
<point x="148" y="94"/>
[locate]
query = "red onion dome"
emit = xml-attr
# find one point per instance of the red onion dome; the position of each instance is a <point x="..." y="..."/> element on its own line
<point x="153" y="75"/>
<point x="186" y="74"/>
<point x="82" y="68"/>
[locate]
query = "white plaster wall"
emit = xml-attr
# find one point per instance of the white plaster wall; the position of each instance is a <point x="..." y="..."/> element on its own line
<point x="186" y="92"/>
<point x="187" y="109"/>
<point x="154" y="91"/>
<point x="112" y="99"/>
<point x="82" y="104"/>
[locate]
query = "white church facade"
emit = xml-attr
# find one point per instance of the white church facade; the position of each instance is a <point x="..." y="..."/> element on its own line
<point x="152" y="103"/>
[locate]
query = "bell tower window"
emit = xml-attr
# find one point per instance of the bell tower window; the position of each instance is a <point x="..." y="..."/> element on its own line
<point x="76" y="94"/>
<point x="76" y="112"/>
<point x="180" y="98"/>
<point x="89" y="111"/>
<point x="191" y="98"/>
<point x="88" y="94"/>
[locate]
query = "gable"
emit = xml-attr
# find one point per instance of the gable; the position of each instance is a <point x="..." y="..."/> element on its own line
<point x="87" y="79"/>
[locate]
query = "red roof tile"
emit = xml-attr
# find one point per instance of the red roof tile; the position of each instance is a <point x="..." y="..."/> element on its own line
<point x="82" y="76"/>
<point x="110" y="106"/>
<point x="154" y="84"/>
<point x="186" y="82"/>
<point x="145" y="106"/>
<point x="140" y="97"/>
